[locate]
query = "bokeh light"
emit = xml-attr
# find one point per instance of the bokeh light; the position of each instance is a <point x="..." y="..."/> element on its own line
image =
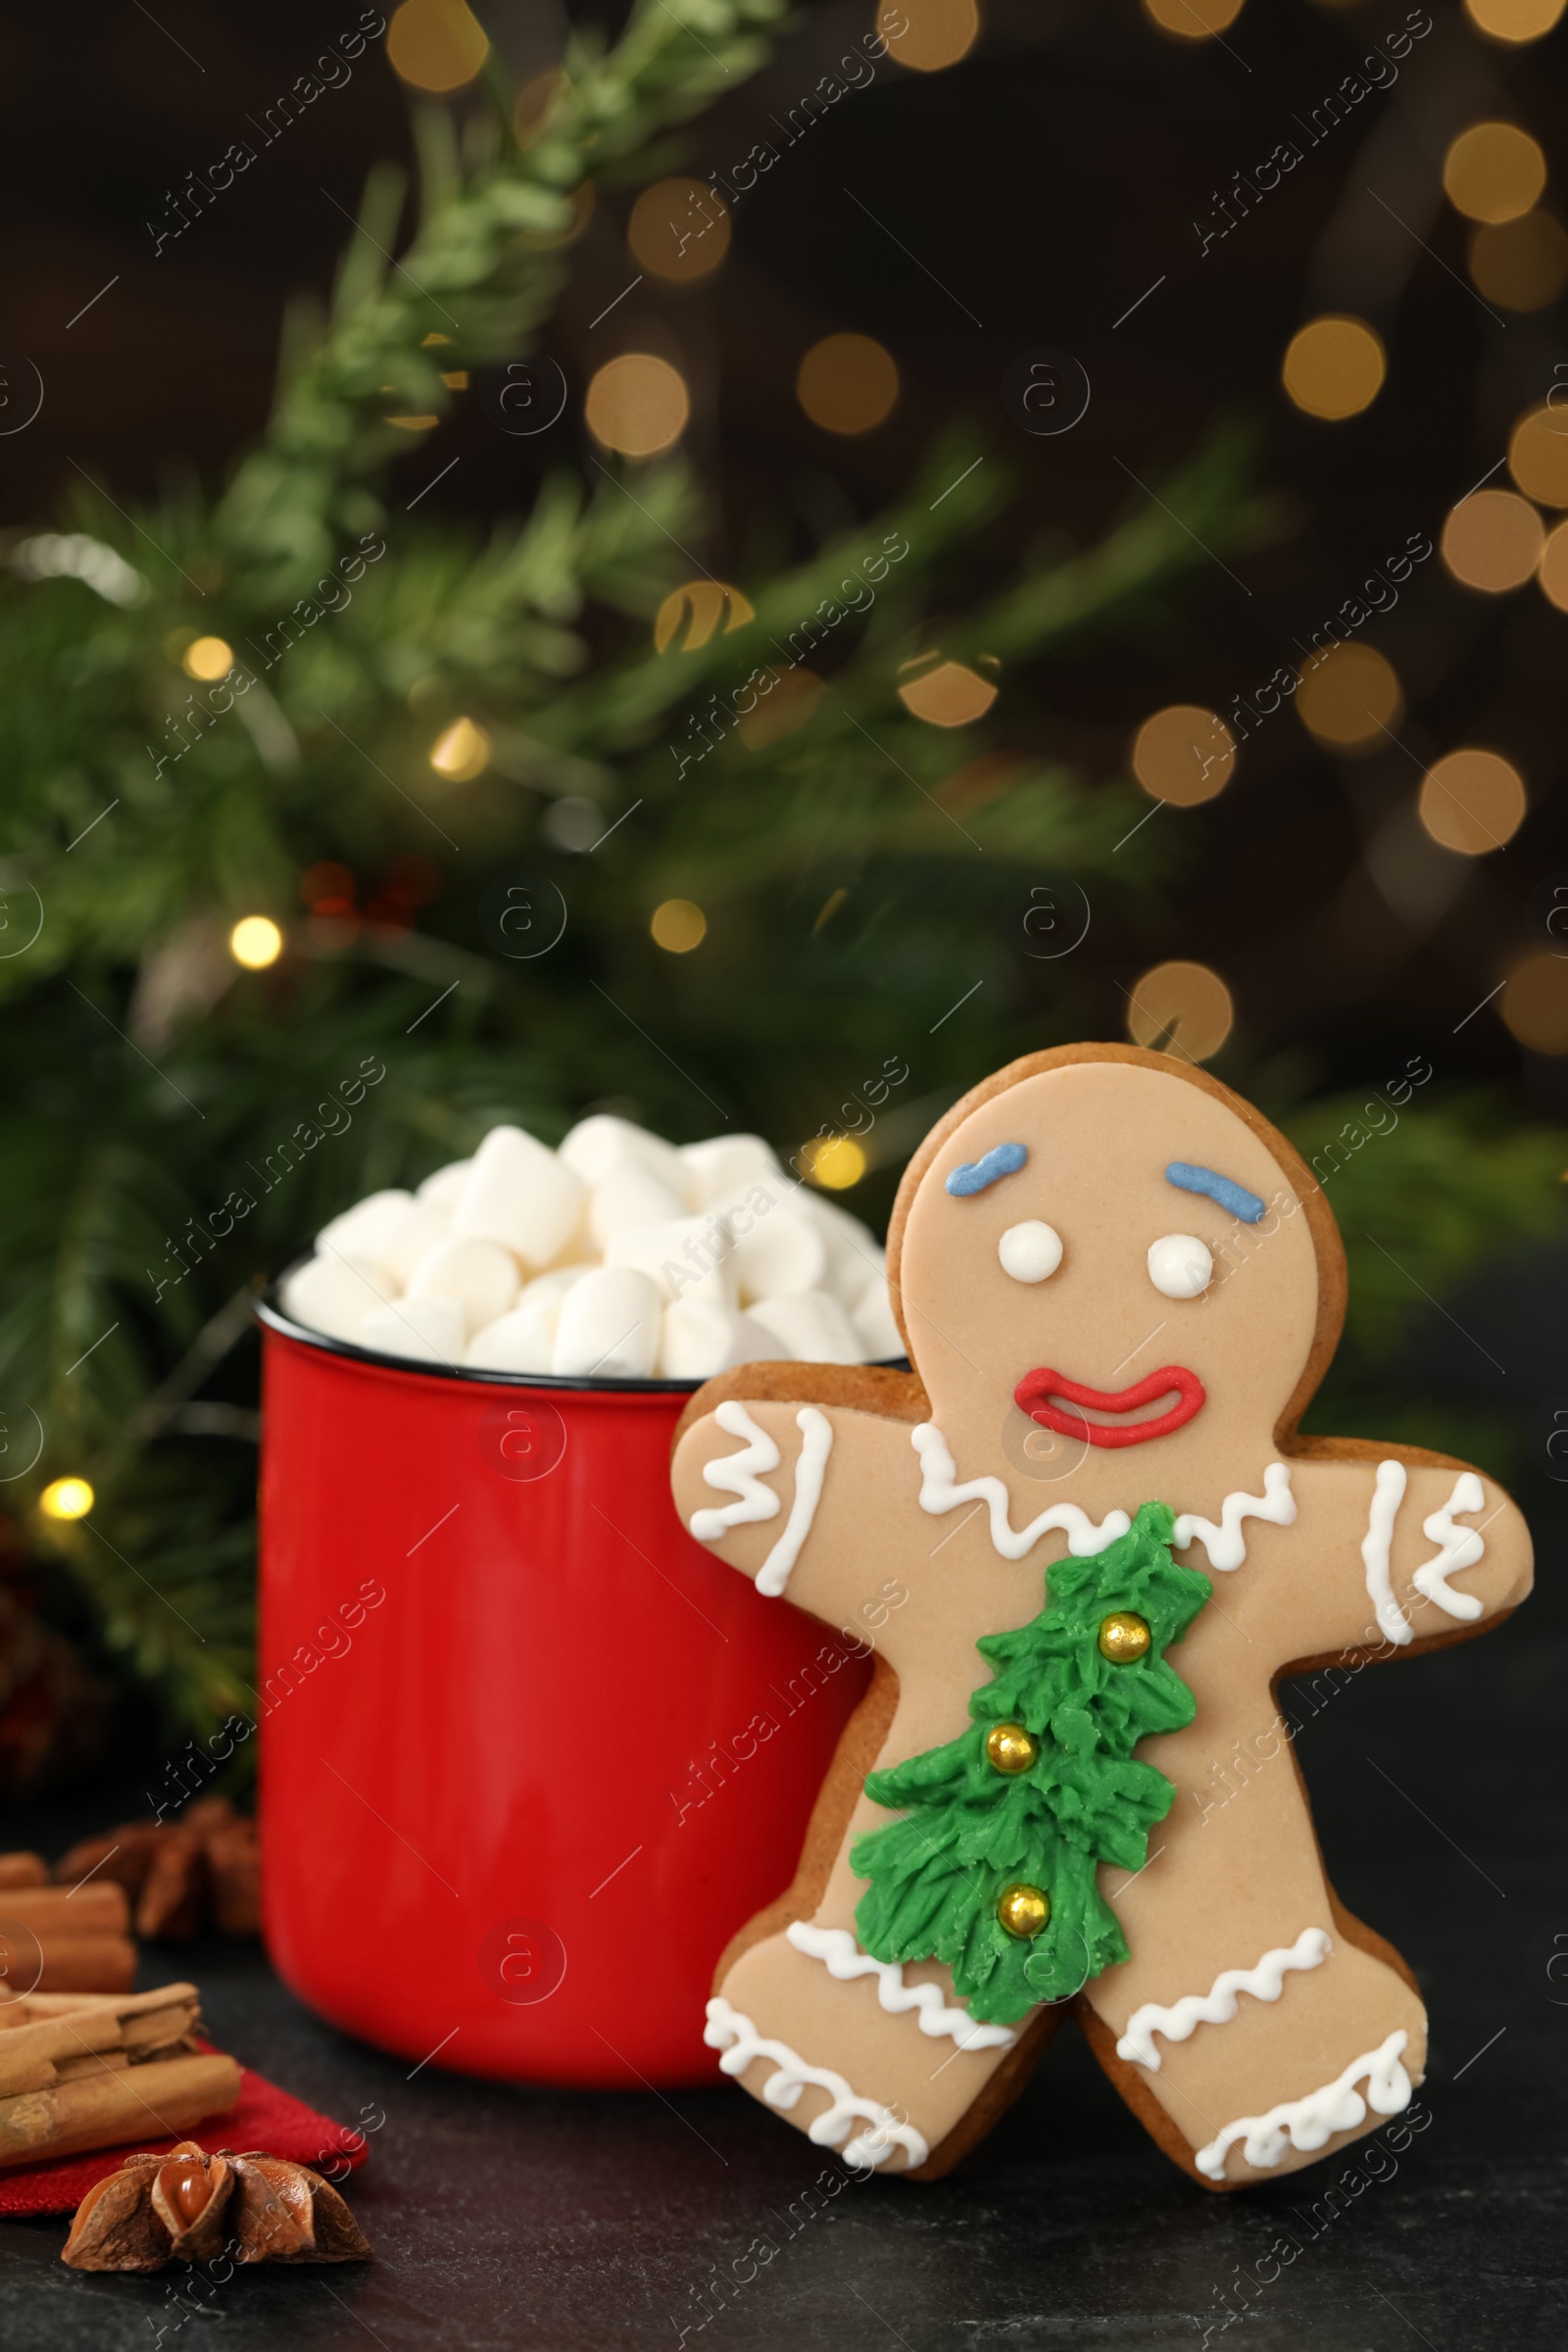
<point x="1184" y="754"/>
<point x="1334" y="367"/>
<point x="532" y="107"/>
<point x="1348" y="697"/>
<point x="1494" y="171"/>
<point x="1538" y="456"/>
<point x="677" y="926"/>
<point x="1514" y="20"/>
<point x="256" y="942"/>
<point x="951" y="695"/>
<point x="1534" y="1002"/>
<point x="1182" y="1008"/>
<point x="436" y="44"/>
<point x="1523" y="264"/>
<point x="834" y="1161"/>
<point x="1555" y="567"/>
<point x="208" y="658"/>
<point x="678" y="230"/>
<point x="327" y="888"/>
<point x="460" y="752"/>
<point x="67" y="1498"/>
<point x="1492" y="541"/>
<point x="689" y="615"/>
<point x="928" y="35"/>
<point x="1192" y="20"/>
<point x="637" y="405"/>
<point x="785" y="707"/>
<point x="1472" y="802"/>
<point x="847" y="384"/>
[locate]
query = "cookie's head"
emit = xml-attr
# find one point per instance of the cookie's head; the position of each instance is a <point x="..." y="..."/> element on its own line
<point x="1108" y="1247"/>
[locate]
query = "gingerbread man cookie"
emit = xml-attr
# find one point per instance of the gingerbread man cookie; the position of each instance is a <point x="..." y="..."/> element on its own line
<point x="1070" y="1784"/>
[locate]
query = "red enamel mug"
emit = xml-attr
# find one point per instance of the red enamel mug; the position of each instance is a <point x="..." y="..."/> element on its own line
<point x="529" y="1755"/>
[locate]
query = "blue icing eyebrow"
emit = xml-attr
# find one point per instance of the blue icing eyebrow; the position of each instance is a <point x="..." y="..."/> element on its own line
<point x="1005" y="1159"/>
<point x="1234" y="1196"/>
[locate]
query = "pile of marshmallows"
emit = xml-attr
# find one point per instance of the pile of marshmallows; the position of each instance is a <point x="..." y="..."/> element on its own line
<point x="619" y="1255"/>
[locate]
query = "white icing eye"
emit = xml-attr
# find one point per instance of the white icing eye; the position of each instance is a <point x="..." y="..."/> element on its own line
<point x="1180" y="1265"/>
<point x="1029" y="1252"/>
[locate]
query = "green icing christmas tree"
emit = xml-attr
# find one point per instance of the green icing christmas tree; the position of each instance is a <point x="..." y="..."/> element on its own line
<point x="969" y="1829"/>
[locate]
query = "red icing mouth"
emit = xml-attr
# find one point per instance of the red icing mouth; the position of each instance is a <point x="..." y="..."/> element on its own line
<point x="1036" y="1390"/>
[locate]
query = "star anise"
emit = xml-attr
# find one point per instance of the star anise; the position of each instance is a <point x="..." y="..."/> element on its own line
<point x="189" y="2206"/>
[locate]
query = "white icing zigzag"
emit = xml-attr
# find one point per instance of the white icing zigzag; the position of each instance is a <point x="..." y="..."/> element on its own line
<point x="1311" y="2123"/>
<point x="1462" y="1547"/>
<point x="736" y="1474"/>
<point x="729" y="2031"/>
<point x="1217" y="2006"/>
<point x="845" y="1960"/>
<point x="817" y="1444"/>
<point x="1387" y="1495"/>
<point x="1225" y="1545"/>
<point x="938" y="1494"/>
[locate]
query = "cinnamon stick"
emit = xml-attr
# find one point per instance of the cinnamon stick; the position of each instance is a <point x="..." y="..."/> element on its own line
<point x="94" y="1910"/>
<point x="23" y="1870"/>
<point x="87" y="1964"/>
<point x="99" y="2111"/>
<point x="91" y="2025"/>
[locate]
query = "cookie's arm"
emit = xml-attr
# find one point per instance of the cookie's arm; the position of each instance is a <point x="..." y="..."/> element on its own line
<point x="1396" y="1549"/>
<point x="780" y="1491"/>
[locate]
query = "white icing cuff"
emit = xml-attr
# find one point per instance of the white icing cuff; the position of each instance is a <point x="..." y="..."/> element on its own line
<point x="733" y="2033"/>
<point x="1311" y="2123"/>
<point x="1225" y="1545"/>
<point x="1217" y="2006"/>
<point x="938" y="1494"/>
<point x="844" y="1959"/>
<point x="817" y="1444"/>
<point x="1462" y="1547"/>
<point x="1387" y="1495"/>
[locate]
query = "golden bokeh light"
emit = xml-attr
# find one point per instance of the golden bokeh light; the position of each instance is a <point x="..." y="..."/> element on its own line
<point x="1534" y="1002"/>
<point x="207" y="658"/>
<point x="1538" y="456"/>
<point x="436" y="44"/>
<point x="784" y="708"/>
<point x="1523" y="263"/>
<point x="1349" y="697"/>
<point x="1334" y="367"/>
<point x="689" y="615"/>
<point x="834" y="1161"/>
<point x="1472" y="802"/>
<point x="847" y="384"/>
<point x="532" y="107"/>
<point x="256" y="942"/>
<point x="1555" y="567"/>
<point x="67" y="1498"/>
<point x="678" y="230"/>
<point x="460" y="752"/>
<point x="1492" y="541"/>
<point x="1184" y="754"/>
<point x="1515" y="20"/>
<point x="928" y="35"/>
<point x="637" y="405"/>
<point x="1181" y="1009"/>
<point x="1494" y="171"/>
<point x="677" y="926"/>
<point x="951" y="695"/>
<point x="1192" y="20"/>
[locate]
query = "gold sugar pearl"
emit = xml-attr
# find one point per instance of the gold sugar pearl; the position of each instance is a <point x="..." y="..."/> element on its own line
<point x="1010" y="1747"/>
<point x="1124" y="1636"/>
<point x="1023" y="1910"/>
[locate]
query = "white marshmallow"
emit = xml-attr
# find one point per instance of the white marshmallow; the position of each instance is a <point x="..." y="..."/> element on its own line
<point x="813" y="1326"/>
<point x="364" y="1230"/>
<point x="525" y="1340"/>
<point x="598" y="1143"/>
<point x="784" y="1252"/>
<point x="334" y="1294"/>
<point x="875" y="1325"/>
<point x="696" y="1339"/>
<point x="425" y="1331"/>
<point x="414" y="1238"/>
<point x="519" y="1193"/>
<point x="480" y="1275"/>
<point x="728" y="1163"/>
<point x="661" y="1253"/>
<point x="853" y="1252"/>
<point x="608" y="1326"/>
<point x="629" y="1195"/>
<point x="444" y="1189"/>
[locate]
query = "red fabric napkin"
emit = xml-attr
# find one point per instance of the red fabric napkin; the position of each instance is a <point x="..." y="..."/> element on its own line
<point x="265" y="2117"/>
